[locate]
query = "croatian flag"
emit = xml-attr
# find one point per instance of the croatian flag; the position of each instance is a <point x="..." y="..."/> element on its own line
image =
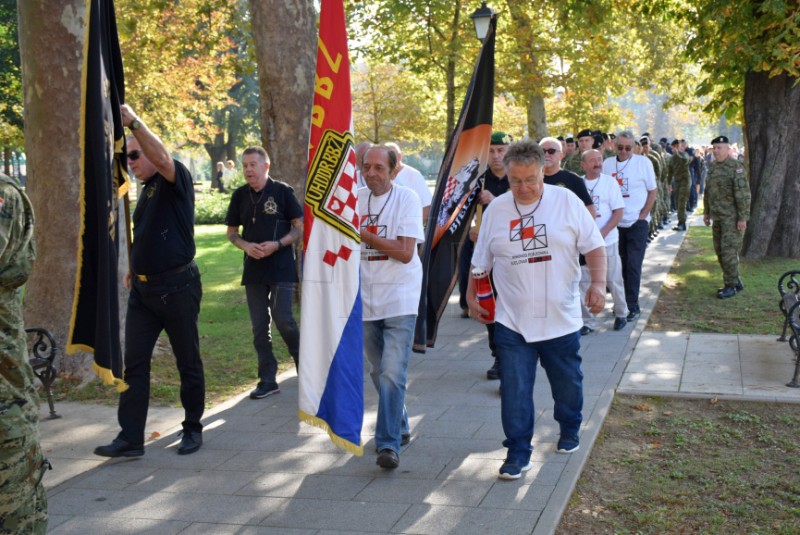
<point x="331" y="343"/>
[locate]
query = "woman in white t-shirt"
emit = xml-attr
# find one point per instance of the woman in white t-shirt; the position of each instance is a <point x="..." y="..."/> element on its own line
<point x="530" y="239"/>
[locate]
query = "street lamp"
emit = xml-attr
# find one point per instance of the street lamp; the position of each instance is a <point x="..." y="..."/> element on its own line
<point x="482" y="16"/>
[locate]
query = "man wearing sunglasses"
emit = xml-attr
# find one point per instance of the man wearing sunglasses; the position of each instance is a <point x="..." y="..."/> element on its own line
<point x="555" y="176"/>
<point x="635" y="175"/>
<point x="165" y="291"/>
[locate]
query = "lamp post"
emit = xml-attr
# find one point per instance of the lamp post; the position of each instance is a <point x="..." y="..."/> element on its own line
<point x="481" y="18"/>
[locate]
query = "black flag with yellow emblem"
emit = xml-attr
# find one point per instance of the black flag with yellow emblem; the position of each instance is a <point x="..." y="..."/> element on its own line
<point x="94" y="326"/>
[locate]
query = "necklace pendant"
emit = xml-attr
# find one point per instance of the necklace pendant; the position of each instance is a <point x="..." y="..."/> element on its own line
<point x="254" y="219"/>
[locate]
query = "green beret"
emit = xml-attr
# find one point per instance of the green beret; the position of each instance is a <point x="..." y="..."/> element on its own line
<point x="501" y="138"/>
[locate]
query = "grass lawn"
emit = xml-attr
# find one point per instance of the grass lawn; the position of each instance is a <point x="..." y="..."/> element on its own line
<point x="688" y="300"/>
<point x="226" y="342"/>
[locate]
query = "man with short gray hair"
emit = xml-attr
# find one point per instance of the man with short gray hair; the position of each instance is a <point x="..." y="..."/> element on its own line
<point x="635" y="175"/>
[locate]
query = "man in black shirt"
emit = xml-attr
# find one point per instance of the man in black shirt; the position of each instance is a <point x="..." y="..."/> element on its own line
<point x="165" y="291"/>
<point x="555" y="176"/>
<point x="272" y="219"/>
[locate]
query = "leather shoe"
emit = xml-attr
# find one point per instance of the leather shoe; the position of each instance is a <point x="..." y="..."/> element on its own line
<point x="679" y="226"/>
<point x="633" y="316"/>
<point x="493" y="373"/>
<point x="190" y="442"/>
<point x="586" y="330"/>
<point x="620" y="323"/>
<point x="726" y="292"/>
<point x="119" y="448"/>
<point x="388" y="459"/>
<point x="739" y="286"/>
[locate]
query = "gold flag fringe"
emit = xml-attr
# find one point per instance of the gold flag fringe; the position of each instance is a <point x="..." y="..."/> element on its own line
<point x="342" y="443"/>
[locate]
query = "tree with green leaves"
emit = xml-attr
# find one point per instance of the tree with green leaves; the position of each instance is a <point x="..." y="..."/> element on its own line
<point x="11" y="136"/>
<point x="748" y="52"/>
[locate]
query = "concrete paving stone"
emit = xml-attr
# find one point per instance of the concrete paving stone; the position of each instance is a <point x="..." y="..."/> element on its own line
<point x="272" y="441"/>
<point x="492" y="430"/>
<point x="512" y="495"/>
<point x="65" y="469"/>
<point x="443" y="387"/>
<point x="167" y="457"/>
<point x="445" y="428"/>
<point x="336" y="515"/>
<point x="435" y="492"/>
<point x="231" y="421"/>
<point x="766" y="374"/>
<point x="348" y="532"/>
<point x="112" y="476"/>
<point x="56" y="520"/>
<point x="461" y="413"/>
<point x="314" y="486"/>
<point x="459" y="447"/>
<point x="431" y="397"/>
<point x="668" y="382"/>
<point x="654" y="366"/>
<point x="415" y="463"/>
<point x="293" y="462"/>
<point x="194" y="481"/>
<point x="232" y="529"/>
<point x="440" y="520"/>
<point x="102" y="526"/>
<point x="486" y="470"/>
<point x="712" y="388"/>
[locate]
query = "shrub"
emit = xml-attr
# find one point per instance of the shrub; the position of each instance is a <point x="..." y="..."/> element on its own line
<point x="210" y="207"/>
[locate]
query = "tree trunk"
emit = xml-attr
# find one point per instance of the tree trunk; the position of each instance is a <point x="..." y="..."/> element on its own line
<point x="51" y="36"/>
<point x="537" y="117"/>
<point x="285" y="38"/>
<point x="772" y="126"/>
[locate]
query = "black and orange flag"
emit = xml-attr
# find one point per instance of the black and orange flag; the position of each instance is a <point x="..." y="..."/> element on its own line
<point x="94" y="326"/>
<point x="454" y="199"/>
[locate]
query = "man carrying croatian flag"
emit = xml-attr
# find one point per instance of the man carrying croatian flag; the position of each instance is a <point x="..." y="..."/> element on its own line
<point x="331" y="341"/>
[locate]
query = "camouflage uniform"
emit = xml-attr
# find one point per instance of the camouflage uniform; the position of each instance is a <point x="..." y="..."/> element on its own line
<point x="726" y="201"/>
<point x="23" y="505"/>
<point x="573" y="163"/>
<point x="657" y="213"/>
<point x="681" y="182"/>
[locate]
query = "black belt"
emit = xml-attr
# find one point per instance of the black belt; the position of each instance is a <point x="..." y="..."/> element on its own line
<point x="161" y="276"/>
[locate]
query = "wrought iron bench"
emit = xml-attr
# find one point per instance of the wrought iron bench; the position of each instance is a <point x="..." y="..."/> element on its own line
<point x="42" y="357"/>
<point x="789" y="288"/>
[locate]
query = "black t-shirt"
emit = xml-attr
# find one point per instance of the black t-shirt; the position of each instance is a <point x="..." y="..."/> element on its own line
<point x="163" y="224"/>
<point x="571" y="181"/>
<point x="494" y="184"/>
<point x="266" y="216"/>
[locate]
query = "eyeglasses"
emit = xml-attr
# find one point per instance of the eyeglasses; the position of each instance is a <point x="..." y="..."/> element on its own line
<point x="626" y="148"/>
<point x="134" y="155"/>
<point x="528" y="183"/>
<point x="551" y="151"/>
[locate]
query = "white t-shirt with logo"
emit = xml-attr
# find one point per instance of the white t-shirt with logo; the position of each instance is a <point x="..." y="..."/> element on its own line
<point x="607" y="197"/>
<point x="390" y="288"/>
<point x="534" y="261"/>
<point x="635" y="177"/>
<point x="413" y="179"/>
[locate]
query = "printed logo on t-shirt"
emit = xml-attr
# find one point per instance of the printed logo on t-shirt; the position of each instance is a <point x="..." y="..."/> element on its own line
<point x="270" y="206"/>
<point x="371" y="225"/>
<point x="531" y="235"/>
<point x="596" y="203"/>
<point x="622" y="180"/>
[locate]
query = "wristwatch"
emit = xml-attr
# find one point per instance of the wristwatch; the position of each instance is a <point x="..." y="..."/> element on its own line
<point x="135" y="124"/>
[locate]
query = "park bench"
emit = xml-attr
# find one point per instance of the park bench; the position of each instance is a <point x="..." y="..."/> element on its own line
<point x="42" y="357"/>
<point x="789" y="288"/>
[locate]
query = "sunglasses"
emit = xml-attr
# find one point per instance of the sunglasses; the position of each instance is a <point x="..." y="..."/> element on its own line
<point x="134" y="155"/>
<point x="551" y="151"/>
<point x="626" y="148"/>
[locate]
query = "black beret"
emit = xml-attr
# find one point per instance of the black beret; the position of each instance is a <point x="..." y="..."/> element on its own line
<point x="720" y="139"/>
<point x="560" y="138"/>
<point x="570" y="140"/>
<point x="662" y="140"/>
<point x="584" y="133"/>
<point x="675" y="142"/>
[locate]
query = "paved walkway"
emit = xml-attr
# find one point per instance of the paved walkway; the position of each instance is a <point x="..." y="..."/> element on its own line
<point x="260" y="471"/>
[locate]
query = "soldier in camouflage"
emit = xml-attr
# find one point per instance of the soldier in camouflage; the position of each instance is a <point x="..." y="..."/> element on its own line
<point x="681" y="180"/>
<point x="573" y="161"/>
<point x="726" y="206"/>
<point x="23" y="505"/>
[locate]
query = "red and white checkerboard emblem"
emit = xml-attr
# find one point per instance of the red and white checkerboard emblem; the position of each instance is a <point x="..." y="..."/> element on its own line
<point x="330" y="257"/>
<point x="344" y="198"/>
<point x="532" y="236"/>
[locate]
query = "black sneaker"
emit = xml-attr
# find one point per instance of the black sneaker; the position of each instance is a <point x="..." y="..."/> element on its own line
<point x="620" y="323"/>
<point x="633" y="316"/>
<point x="493" y="373"/>
<point x="586" y="330"/>
<point x="265" y="389"/>
<point x="388" y="459"/>
<point x="119" y="448"/>
<point x="190" y="442"/>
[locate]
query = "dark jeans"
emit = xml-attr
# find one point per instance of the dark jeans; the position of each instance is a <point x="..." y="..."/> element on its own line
<point x="632" y="245"/>
<point x="170" y="305"/>
<point x="562" y="364"/>
<point x="267" y="302"/>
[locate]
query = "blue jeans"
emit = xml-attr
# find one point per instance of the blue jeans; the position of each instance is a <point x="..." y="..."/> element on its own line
<point x="561" y="363"/>
<point x="387" y="346"/>
<point x="267" y="302"/>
